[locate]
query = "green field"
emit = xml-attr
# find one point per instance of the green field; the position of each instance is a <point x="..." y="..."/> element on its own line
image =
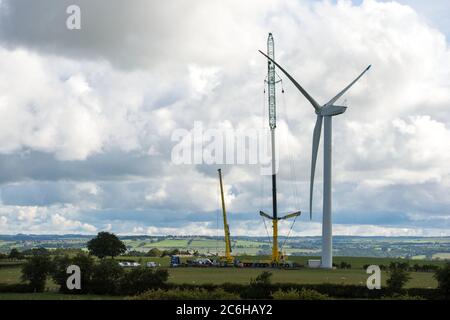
<point x="388" y="247"/>
<point x="55" y="296"/>
<point x="221" y="275"/>
<point x="442" y="256"/>
<point x="303" y="276"/>
<point x="356" y="275"/>
<point x="200" y="245"/>
<point x="356" y="262"/>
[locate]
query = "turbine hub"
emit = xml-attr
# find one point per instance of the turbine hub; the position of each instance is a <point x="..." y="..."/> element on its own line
<point x="332" y="110"/>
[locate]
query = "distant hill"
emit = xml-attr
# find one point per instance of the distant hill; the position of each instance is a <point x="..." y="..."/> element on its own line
<point x="405" y="247"/>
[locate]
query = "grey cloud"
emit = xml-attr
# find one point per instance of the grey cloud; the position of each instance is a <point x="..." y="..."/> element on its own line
<point x="99" y="106"/>
<point x="105" y="166"/>
<point x="143" y="33"/>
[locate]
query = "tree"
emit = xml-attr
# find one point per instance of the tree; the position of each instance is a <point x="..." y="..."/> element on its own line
<point x="59" y="272"/>
<point x="86" y="264"/>
<point x="154" y="252"/>
<point x="36" y="270"/>
<point x="345" y="265"/>
<point x="15" y="254"/>
<point x="165" y="253"/>
<point x="442" y="275"/>
<point x="143" y="279"/>
<point x="106" y="244"/>
<point x="60" y="275"/>
<point x="264" y="278"/>
<point x="398" y="277"/>
<point x="260" y="287"/>
<point x="106" y="277"/>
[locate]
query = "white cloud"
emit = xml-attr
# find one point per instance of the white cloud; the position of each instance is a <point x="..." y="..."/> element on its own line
<point x="3" y="223"/>
<point x="124" y="87"/>
<point x="42" y="220"/>
<point x="27" y="214"/>
<point x="65" y="225"/>
<point x="203" y="80"/>
<point x="250" y="228"/>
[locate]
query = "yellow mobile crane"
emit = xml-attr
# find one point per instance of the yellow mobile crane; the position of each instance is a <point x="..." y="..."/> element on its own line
<point x="228" y="258"/>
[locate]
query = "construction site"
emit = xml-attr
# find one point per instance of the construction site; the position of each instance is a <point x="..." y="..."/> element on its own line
<point x="278" y="258"/>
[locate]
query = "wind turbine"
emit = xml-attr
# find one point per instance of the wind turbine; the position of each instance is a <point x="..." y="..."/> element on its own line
<point x="327" y="111"/>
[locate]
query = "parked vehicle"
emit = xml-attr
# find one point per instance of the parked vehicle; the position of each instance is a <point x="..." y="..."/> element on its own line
<point x="152" y="264"/>
<point x="128" y="264"/>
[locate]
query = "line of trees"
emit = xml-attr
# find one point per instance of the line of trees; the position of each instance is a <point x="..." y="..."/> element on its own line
<point x="14" y="254"/>
<point x="405" y="266"/>
<point x="342" y="265"/>
<point x="100" y="277"/>
<point x="104" y="276"/>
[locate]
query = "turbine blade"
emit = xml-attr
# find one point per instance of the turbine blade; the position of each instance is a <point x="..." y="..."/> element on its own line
<point x="340" y="94"/>
<point x="296" y="84"/>
<point x="315" y="148"/>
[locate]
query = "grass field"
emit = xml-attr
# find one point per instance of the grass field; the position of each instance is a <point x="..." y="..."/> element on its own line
<point x="442" y="256"/>
<point x="356" y="275"/>
<point x="356" y="262"/>
<point x="200" y="245"/>
<point x="304" y="276"/>
<point x="220" y="275"/>
<point x="55" y="296"/>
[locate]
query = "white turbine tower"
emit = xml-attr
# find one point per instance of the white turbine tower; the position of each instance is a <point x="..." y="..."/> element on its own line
<point x="326" y="111"/>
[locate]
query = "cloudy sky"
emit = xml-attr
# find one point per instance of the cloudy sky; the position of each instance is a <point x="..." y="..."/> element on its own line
<point x="87" y="116"/>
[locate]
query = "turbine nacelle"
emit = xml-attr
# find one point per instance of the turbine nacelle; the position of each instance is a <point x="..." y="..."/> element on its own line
<point x="331" y="110"/>
<point x="328" y="109"/>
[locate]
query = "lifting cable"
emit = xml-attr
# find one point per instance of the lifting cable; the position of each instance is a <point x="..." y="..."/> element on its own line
<point x="219" y="199"/>
<point x="262" y="180"/>
<point x="292" y="171"/>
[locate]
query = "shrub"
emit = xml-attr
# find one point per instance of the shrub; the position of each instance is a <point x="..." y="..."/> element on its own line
<point x="134" y="253"/>
<point x="403" y="297"/>
<point x="442" y="275"/>
<point x="143" y="279"/>
<point x="15" y="288"/>
<point x="382" y="266"/>
<point x="399" y="265"/>
<point x="36" y="270"/>
<point x="154" y="252"/>
<point x="260" y="287"/>
<point x="106" y="277"/>
<point x="14" y="254"/>
<point x="59" y="273"/>
<point x="86" y="264"/>
<point x="303" y="294"/>
<point x="221" y="294"/>
<point x="398" y="277"/>
<point x="187" y="294"/>
<point x="173" y="252"/>
<point x="35" y="252"/>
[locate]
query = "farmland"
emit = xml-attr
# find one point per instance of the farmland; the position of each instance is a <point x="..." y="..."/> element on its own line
<point x="356" y="251"/>
<point x="355" y="275"/>
<point x="418" y="248"/>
